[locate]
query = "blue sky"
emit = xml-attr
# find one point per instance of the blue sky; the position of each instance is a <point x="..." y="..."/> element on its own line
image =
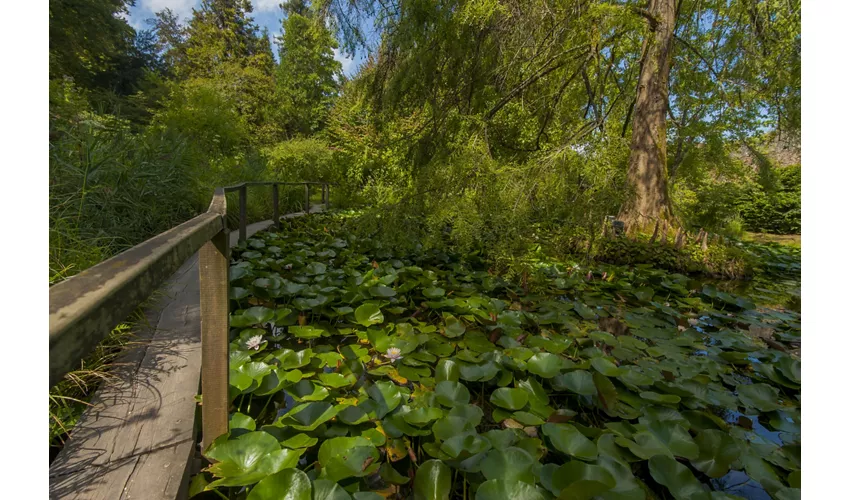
<point x="267" y="14"/>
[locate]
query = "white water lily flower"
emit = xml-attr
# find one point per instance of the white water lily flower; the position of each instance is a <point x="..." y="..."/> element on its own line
<point x="254" y="342"/>
<point x="393" y="354"/>
<point x="682" y="328"/>
<point x="693" y="321"/>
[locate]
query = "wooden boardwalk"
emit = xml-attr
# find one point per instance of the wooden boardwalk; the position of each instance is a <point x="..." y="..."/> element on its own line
<point x="139" y="438"/>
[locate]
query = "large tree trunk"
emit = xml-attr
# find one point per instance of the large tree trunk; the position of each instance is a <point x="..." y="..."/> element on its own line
<point x="647" y="176"/>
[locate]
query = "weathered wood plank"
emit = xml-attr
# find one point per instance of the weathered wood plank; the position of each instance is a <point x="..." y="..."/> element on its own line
<point x="138" y="437"/>
<point x="86" y="307"/>
<point x="214" y="273"/>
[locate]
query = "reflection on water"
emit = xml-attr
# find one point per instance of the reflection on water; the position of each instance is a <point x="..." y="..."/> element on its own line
<point x="739" y="483"/>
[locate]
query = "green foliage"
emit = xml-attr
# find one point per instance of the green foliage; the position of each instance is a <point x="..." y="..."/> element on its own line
<point x="421" y="363"/>
<point x="718" y="260"/>
<point x="774" y="211"/>
<point x="109" y="188"/>
<point x="307" y="74"/>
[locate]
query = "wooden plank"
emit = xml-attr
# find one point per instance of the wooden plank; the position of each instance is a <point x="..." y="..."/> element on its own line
<point x="138" y="437"/>
<point x="215" y="323"/>
<point x="86" y="307"/>
<point x="276" y="205"/>
<point x="243" y="213"/>
<point x="144" y="417"/>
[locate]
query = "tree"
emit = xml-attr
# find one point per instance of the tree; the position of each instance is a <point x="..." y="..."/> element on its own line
<point x="647" y="173"/>
<point x="86" y="36"/>
<point x="223" y="32"/>
<point x="307" y="74"/>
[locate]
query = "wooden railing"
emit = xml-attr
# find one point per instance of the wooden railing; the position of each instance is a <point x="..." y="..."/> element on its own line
<point x="86" y="307"/>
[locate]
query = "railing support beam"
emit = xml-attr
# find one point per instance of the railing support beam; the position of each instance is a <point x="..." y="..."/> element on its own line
<point x="215" y="320"/>
<point x="243" y="213"/>
<point x="276" y="209"/>
<point x="306" y="198"/>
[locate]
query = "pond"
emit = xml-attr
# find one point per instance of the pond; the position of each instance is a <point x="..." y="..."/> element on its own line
<point x="358" y="371"/>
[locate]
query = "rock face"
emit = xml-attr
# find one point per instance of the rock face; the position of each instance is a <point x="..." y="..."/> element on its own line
<point x="782" y="151"/>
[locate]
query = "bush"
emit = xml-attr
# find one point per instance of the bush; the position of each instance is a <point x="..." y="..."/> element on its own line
<point x="774" y="210"/>
<point x="718" y="260"/>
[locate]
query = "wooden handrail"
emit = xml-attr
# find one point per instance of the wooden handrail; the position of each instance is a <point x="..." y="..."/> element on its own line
<point x="87" y="306"/>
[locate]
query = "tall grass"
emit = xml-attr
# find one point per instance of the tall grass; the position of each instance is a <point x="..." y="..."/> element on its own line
<point x="109" y="190"/>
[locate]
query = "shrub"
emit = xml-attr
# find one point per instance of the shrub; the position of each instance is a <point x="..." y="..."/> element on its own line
<point x="774" y="210"/>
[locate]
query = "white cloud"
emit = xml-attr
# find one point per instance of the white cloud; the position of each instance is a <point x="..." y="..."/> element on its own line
<point x="348" y="65"/>
<point x="182" y="8"/>
<point x="266" y="5"/>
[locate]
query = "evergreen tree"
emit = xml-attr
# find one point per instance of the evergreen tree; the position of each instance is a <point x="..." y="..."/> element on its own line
<point x="307" y="74"/>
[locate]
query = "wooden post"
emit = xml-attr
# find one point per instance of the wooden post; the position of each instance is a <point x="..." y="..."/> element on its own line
<point x="215" y="317"/>
<point x="306" y="198"/>
<point x="243" y="213"/>
<point x="276" y="209"/>
<point x="327" y="196"/>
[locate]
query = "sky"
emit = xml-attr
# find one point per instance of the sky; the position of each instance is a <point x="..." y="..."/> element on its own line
<point x="267" y="14"/>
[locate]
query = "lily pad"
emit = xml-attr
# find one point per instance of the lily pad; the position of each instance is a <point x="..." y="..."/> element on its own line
<point x="294" y="482"/>
<point x="502" y="489"/>
<point x="450" y="393"/>
<point x="248" y="458"/>
<point x="344" y="457"/>
<point x="433" y="481"/>
<point x="368" y="315"/>
<point x="580" y="481"/>
<point x="545" y="364"/>
<point x="511" y="399"/>
<point x="717" y="451"/>
<point x="567" y="439"/>
<point x="677" y="478"/>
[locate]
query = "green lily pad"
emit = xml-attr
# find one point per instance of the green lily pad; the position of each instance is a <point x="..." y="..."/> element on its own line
<point x="248" y="458"/>
<point x="382" y="291"/>
<point x="510" y="464"/>
<point x="535" y="391"/>
<point x="390" y="475"/>
<point x="654" y="397"/>
<point x="578" y="381"/>
<point x="251" y="316"/>
<point x="545" y="364"/>
<point x="502" y="489"/>
<point x="580" y="481"/>
<point x="677" y="478"/>
<point x="344" y="457"/>
<point x="511" y="399"/>
<point x="368" y="315"/>
<point x="242" y="421"/>
<point x="762" y="397"/>
<point x="454" y="327"/>
<point x="308" y="416"/>
<point x="463" y="446"/>
<point x="294" y="482"/>
<point x="450" y="393"/>
<point x="422" y="416"/>
<point x="387" y="395"/>
<point x="605" y="367"/>
<point x="328" y="490"/>
<point x="567" y="439"/>
<point x="433" y="292"/>
<point x="717" y="451"/>
<point x="433" y="481"/>
<point x="306" y="332"/>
